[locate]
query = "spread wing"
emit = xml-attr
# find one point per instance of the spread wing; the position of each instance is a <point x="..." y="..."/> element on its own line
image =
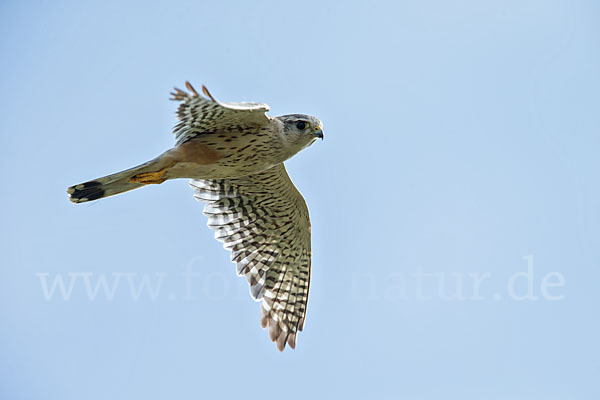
<point x="263" y="220"/>
<point x="197" y="114"/>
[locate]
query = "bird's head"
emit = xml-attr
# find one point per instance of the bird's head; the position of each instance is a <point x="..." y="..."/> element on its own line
<point x="300" y="131"/>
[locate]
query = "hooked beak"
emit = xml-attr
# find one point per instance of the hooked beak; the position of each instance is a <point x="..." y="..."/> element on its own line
<point x="319" y="133"/>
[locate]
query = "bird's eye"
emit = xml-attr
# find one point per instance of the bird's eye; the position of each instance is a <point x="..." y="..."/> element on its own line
<point x="301" y="125"/>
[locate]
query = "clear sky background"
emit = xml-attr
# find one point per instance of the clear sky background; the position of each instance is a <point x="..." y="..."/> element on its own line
<point x="461" y="146"/>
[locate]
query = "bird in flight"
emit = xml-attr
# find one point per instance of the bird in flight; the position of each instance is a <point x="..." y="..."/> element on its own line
<point x="234" y="153"/>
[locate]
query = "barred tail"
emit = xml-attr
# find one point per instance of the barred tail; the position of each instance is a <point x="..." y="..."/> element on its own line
<point x="109" y="185"/>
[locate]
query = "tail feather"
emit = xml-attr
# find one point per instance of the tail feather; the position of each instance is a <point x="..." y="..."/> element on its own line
<point x="108" y="185"/>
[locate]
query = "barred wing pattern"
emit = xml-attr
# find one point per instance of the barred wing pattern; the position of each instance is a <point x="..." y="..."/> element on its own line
<point x="197" y="114"/>
<point x="264" y="221"/>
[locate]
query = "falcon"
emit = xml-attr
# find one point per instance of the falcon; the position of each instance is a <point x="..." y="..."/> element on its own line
<point x="234" y="154"/>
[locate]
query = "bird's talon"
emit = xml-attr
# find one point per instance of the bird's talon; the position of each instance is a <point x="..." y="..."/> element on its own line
<point x="148" y="178"/>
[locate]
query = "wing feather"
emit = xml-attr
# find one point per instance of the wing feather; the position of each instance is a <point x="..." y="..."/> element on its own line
<point x="199" y="115"/>
<point x="264" y="221"/>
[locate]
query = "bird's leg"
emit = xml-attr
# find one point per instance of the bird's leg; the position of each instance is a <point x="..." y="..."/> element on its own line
<point x="154" y="177"/>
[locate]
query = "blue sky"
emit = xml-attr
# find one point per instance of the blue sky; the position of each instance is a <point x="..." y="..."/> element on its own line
<point x="454" y="201"/>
